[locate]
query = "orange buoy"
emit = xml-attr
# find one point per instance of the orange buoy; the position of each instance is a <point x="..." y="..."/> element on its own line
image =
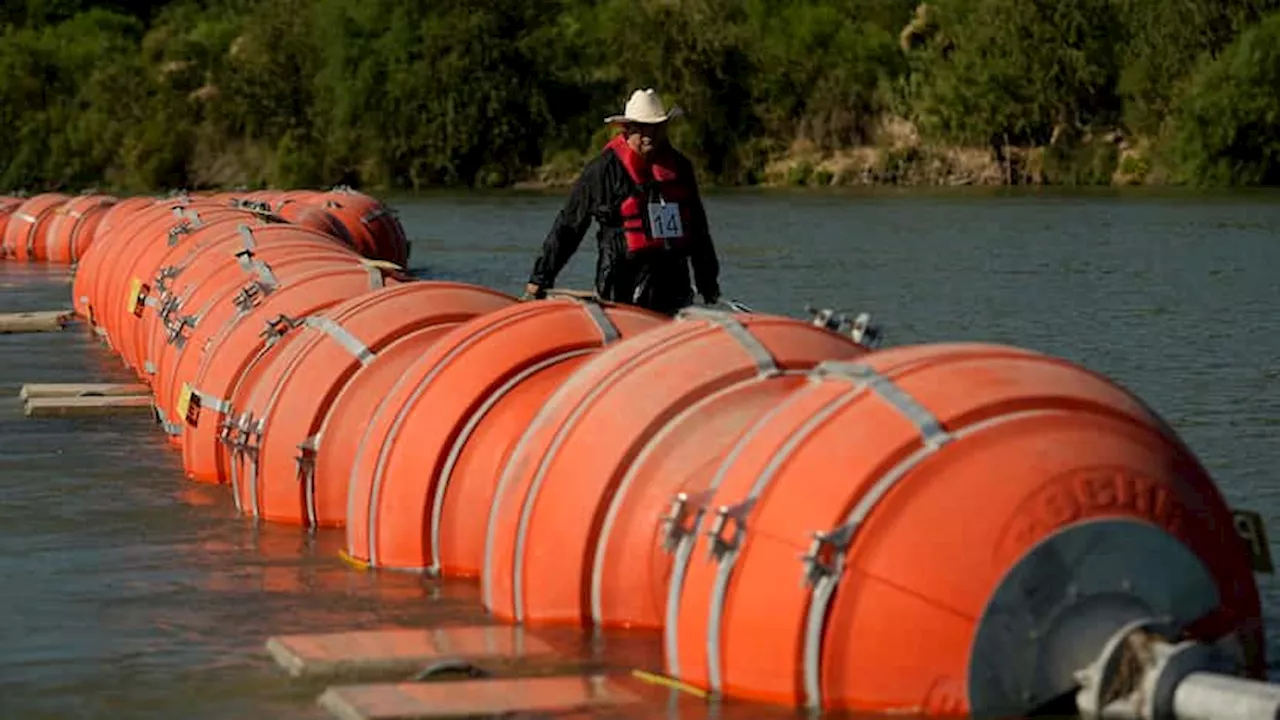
<point x="146" y="226"/>
<point x="279" y="408"/>
<point x="629" y="569"/>
<point x="204" y="396"/>
<point x="71" y="230"/>
<point x="29" y="224"/>
<point x="405" y="456"/>
<point x="373" y="225"/>
<point x="92" y="259"/>
<point x="213" y="258"/>
<point x="8" y="206"/>
<point x="238" y="286"/>
<point x="952" y="528"/>
<point x="344" y="423"/>
<point x="314" y="217"/>
<point x="555" y="488"/>
<point x="140" y="273"/>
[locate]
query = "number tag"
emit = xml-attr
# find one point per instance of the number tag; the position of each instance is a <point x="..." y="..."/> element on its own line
<point x="664" y="219"/>
<point x="185" y="409"/>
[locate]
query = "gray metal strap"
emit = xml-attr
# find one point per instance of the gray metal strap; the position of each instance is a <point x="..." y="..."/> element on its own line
<point x="609" y="332"/>
<point x="307" y="476"/>
<point x="930" y="427"/>
<point x="169" y="427"/>
<point x="265" y="277"/>
<point x="376" y="280"/>
<point x="824" y="562"/>
<point x="375" y="213"/>
<point x="216" y="404"/>
<point x="342" y="336"/>
<point x="765" y="362"/>
<point x="246" y="237"/>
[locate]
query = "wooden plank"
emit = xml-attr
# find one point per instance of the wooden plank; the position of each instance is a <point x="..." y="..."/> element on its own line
<point x="87" y="406"/>
<point x="405" y="650"/>
<point x="62" y="390"/>
<point x="472" y="698"/>
<point x="29" y="322"/>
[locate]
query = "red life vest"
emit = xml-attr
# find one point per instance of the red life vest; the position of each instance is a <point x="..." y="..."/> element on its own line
<point x="637" y="225"/>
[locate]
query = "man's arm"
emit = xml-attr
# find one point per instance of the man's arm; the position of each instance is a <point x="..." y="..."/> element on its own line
<point x="569" y="227"/>
<point x="702" y="251"/>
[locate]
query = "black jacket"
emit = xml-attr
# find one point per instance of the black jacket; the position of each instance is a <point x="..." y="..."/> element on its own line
<point x="659" y="280"/>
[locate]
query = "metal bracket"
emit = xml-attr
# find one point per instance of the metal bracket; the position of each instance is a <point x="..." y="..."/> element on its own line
<point x="249" y="434"/>
<point x="825" y="551"/>
<point x="174" y="329"/>
<point x="163" y="276"/>
<point x="726" y="516"/>
<point x="680" y="522"/>
<point x="228" y="432"/>
<point x="306" y="459"/>
<point x="860" y="328"/>
<point x="277" y="327"/>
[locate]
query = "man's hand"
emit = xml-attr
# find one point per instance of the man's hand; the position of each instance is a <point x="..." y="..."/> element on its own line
<point x="533" y="291"/>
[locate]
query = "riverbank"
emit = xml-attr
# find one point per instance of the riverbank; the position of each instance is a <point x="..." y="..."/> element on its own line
<point x="900" y="157"/>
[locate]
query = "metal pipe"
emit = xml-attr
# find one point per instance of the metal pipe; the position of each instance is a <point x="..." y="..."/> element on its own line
<point x="1210" y="696"/>
<point x="1144" y="672"/>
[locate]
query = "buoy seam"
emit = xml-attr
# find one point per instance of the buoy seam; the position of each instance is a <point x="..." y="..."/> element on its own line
<point x="561" y="435"/>
<point x="455" y="451"/>
<point x="685" y="542"/>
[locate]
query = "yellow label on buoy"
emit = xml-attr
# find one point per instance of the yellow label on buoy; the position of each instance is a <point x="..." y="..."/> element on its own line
<point x="135" y="290"/>
<point x="184" y="401"/>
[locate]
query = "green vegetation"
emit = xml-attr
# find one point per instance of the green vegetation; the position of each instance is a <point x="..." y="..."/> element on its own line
<point x="488" y="93"/>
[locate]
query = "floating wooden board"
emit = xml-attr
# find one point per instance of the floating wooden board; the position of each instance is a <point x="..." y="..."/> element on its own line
<point x="64" y="390"/>
<point x="406" y="650"/>
<point x="472" y="698"/>
<point x="87" y="406"/>
<point x="39" y="321"/>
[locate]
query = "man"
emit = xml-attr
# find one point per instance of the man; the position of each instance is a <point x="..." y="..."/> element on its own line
<point x="643" y="196"/>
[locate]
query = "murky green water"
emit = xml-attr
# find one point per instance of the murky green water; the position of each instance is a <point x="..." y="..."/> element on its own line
<point x="128" y="592"/>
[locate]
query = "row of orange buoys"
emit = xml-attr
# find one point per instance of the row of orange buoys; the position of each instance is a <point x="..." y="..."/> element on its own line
<point x="802" y="518"/>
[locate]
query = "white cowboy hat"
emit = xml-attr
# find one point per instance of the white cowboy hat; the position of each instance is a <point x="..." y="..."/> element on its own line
<point x="646" y="107"/>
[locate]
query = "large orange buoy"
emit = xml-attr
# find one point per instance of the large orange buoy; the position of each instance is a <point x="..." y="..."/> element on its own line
<point x="8" y="206"/>
<point x="629" y="570"/>
<point x="140" y="273"/>
<point x="123" y="243"/>
<point x="72" y="228"/>
<point x="951" y="529"/>
<point x="29" y="224"/>
<point x="149" y="235"/>
<point x="433" y="411"/>
<point x="93" y="257"/>
<point x="205" y="394"/>
<point x="235" y="289"/>
<point x="555" y="488"/>
<point x="373" y="225"/>
<point x="344" y="423"/>
<point x="213" y="259"/>
<point x="273" y="440"/>
<point x="316" y="218"/>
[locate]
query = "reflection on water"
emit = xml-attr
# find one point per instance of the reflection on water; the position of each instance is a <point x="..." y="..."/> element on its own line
<point x="132" y="593"/>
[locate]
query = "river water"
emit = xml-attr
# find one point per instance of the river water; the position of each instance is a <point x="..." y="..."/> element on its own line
<point x="128" y="592"/>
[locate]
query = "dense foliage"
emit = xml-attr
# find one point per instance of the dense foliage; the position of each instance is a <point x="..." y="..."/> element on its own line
<point x="406" y="93"/>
